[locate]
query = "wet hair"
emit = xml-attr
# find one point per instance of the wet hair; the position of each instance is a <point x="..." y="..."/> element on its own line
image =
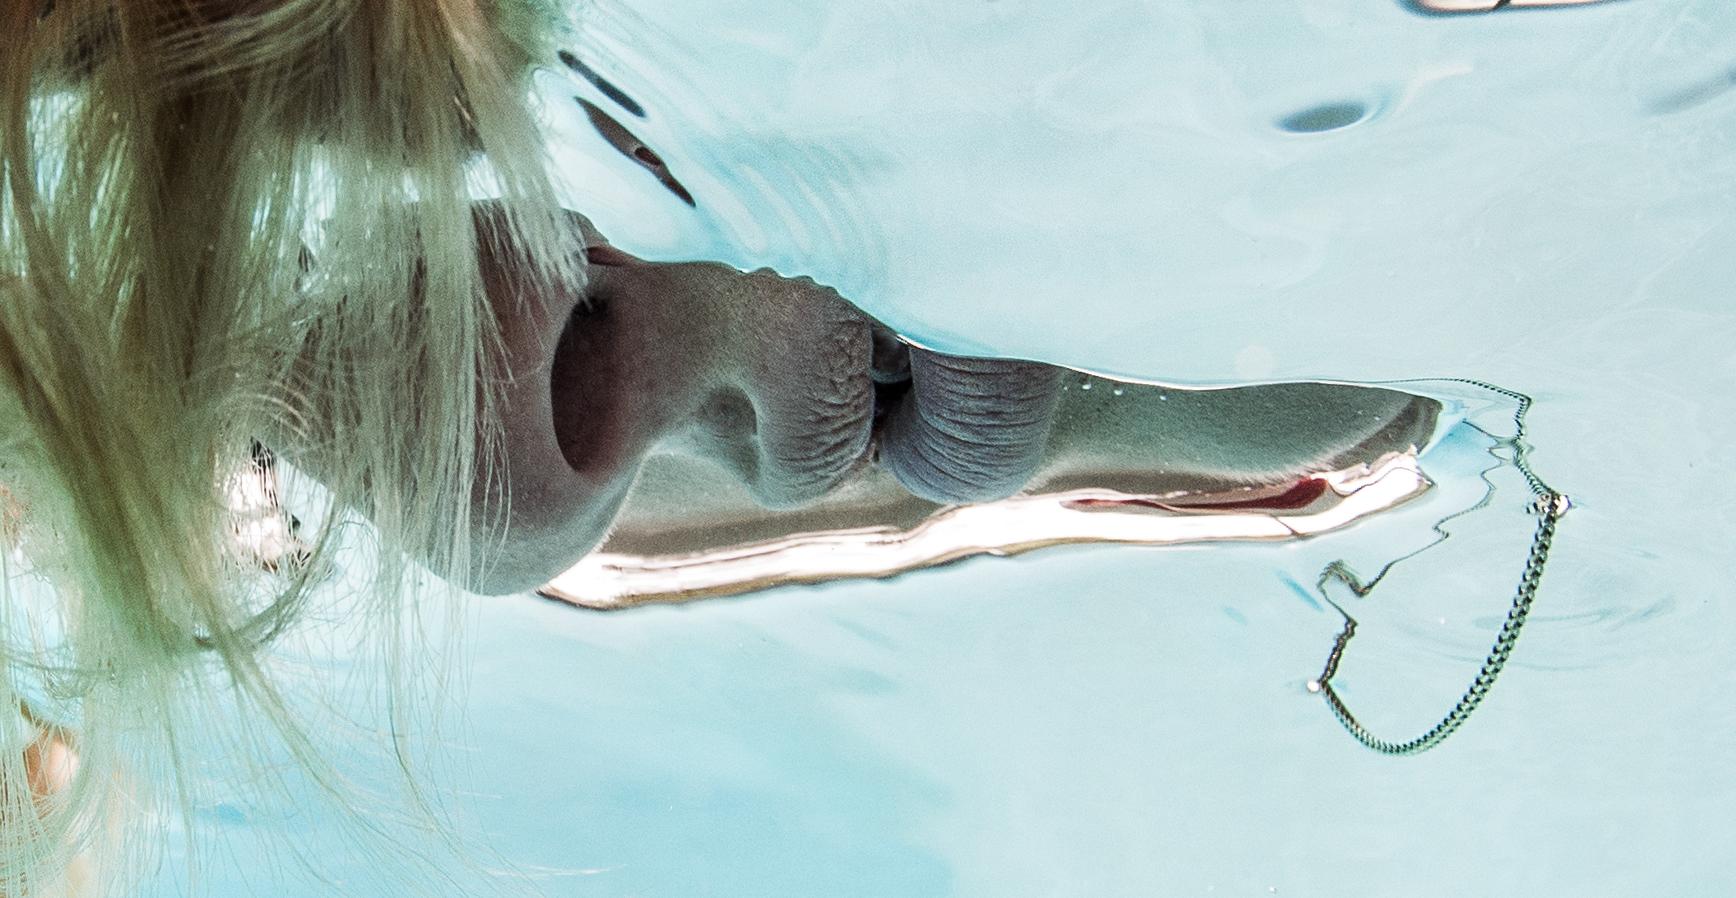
<point x="228" y="224"/>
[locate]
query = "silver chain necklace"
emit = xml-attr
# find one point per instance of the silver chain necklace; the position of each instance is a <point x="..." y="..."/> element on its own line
<point x="1547" y="504"/>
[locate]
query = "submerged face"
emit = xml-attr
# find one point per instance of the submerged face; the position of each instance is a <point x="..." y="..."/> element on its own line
<point x="781" y="380"/>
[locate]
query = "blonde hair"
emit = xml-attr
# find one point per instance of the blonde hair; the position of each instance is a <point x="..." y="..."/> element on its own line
<point x="225" y="222"/>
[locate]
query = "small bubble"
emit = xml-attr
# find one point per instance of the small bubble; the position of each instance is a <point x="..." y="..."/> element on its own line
<point x="1313" y="685"/>
<point x="1119" y="392"/>
<point x="1085" y="386"/>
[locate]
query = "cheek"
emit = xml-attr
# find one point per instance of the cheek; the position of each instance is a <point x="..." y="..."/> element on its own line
<point x="590" y="392"/>
<point x="552" y="512"/>
<point x="586" y="399"/>
<point x="632" y="365"/>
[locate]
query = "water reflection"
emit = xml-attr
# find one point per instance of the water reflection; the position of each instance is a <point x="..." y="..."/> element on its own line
<point x="629" y="145"/>
<point x="1457" y="7"/>
<point x="604" y="85"/>
<point x="1107" y="188"/>
<point x="1695" y="94"/>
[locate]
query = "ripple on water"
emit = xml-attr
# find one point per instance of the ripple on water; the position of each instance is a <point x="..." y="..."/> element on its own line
<point x="1635" y="617"/>
<point x="1695" y="94"/>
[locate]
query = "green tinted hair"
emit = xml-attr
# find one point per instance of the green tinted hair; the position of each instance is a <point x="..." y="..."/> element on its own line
<point x="228" y="224"/>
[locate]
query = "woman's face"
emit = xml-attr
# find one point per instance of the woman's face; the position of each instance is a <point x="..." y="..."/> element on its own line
<point x="772" y="376"/>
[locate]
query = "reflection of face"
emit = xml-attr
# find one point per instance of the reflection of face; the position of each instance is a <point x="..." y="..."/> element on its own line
<point x="774" y="377"/>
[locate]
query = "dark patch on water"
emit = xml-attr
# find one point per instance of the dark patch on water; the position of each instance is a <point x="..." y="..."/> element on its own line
<point x="628" y="144"/>
<point x="1300" y="590"/>
<point x="1325" y="117"/>
<point x="1695" y="94"/>
<point x="607" y="87"/>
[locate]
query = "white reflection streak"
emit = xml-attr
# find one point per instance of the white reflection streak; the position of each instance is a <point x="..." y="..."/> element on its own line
<point x="1475" y="6"/>
<point x="606" y="581"/>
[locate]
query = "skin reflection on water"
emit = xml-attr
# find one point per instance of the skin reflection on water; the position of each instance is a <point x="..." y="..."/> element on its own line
<point x="1453" y="7"/>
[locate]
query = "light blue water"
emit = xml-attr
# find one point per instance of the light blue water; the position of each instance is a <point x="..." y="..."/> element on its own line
<point x="1545" y="200"/>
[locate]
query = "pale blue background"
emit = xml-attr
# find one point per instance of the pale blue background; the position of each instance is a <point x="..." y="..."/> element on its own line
<point x="1546" y="200"/>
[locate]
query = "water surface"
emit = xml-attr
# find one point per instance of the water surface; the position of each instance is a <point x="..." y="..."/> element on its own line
<point x="1202" y="193"/>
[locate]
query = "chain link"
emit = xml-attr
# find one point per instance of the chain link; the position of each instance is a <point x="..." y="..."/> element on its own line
<point x="1549" y="506"/>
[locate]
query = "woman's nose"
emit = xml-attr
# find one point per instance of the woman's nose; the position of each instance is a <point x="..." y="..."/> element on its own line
<point x="775" y="379"/>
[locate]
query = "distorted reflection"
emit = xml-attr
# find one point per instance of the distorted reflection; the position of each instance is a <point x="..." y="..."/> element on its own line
<point x="1448" y="7"/>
